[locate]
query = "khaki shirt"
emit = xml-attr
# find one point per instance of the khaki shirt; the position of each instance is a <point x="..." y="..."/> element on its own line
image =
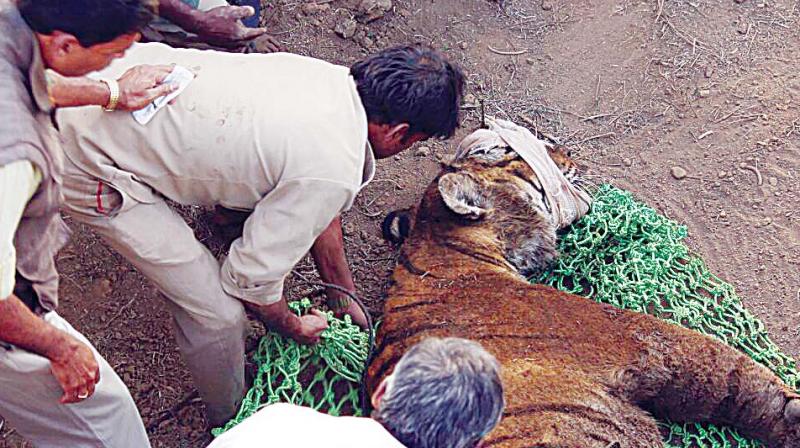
<point x="280" y="134"/>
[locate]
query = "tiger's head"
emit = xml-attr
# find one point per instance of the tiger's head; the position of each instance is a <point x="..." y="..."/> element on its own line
<point x="489" y="196"/>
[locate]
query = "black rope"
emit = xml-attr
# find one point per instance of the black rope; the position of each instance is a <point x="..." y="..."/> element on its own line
<point x="366" y="406"/>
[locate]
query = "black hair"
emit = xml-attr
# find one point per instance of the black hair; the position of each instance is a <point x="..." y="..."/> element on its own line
<point x="411" y="84"/>
<point x="90" y="21"/>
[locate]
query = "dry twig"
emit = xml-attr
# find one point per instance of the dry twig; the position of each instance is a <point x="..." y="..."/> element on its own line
<point x="507" y="52"/>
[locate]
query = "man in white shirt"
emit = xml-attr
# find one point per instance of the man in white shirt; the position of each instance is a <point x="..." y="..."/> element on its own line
<point x="443" y="393"/>
<point x="292" y="152"/>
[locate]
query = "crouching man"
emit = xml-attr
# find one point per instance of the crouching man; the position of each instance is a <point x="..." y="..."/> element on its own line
<point x="293" y="154"/>
<point x="443" y="393"/>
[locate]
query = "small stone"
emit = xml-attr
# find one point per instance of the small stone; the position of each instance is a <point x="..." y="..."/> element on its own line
<point x="464" y="45"/>
<point x="547" y="5"/>
<point x="709" y="72"/>
<point x="422" y="151"/>
<point x="349" y="228"/>
<point x="723" y="214"/>
<point x="722" y="174"/>
<point x="470" y="100"/>
<point x="704" y="93"/>
<point x="627" y="162"/>
<point x="530" y="61"/>
<point x="369" y="10"/>
<point x="313" y="8"/>
<point x="101" y="288"/>
<point x="678" y="172"/>
<point x="743" y="28"/>
<point x="773" y="181"/>
<point x="346" y="29"/>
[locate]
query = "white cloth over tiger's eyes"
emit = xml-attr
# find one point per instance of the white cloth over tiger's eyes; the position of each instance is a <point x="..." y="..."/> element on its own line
<point x="567" y="203"/>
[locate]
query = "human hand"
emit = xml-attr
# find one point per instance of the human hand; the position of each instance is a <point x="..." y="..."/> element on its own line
<point x="75" y="368"/>
<point x="311" y="327"/>
<point x="141" y="85"/>
<point x="222" y="26"/>
<point x="356" y="314"/>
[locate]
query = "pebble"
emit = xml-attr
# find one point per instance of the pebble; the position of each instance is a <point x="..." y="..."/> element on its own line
<point x="743" y="27"/>
<point x="723" y="214"/>
<point x="470" y="100"/>
<point x="547" y="5"/>
<point x="773" y="181"/>
<point x="315" y="8"/>
<point x="369" y="10"/>
<point x="722" y="174"/>
<point x="678" y="172"/>
<point x="704" y="93"/>
<point x="464" y="45"/>
<point x="627" y="162"/>
<point x="346" y="29"/>
<point x="709" y="72"/>
<point x="423" y="151"/>
<point x="102" y="288"/>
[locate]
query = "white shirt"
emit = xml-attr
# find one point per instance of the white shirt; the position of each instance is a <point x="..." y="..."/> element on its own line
<point x="18" y="182"/>
<point x="287" y="425"/>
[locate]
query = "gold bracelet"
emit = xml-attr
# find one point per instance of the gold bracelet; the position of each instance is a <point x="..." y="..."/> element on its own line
<point x="113" y="98"/>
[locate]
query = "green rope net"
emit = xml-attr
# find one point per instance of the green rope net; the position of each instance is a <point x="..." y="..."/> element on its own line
<point x="625" y="254"/>
<point x="622" y="253"/>
<point x="324" y="377"/>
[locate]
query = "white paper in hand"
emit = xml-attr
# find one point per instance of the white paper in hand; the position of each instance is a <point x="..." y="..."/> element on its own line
<point x="181" y="76"/>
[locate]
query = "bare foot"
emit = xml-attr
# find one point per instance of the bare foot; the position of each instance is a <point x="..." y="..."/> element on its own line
<point x="263" y="44"/>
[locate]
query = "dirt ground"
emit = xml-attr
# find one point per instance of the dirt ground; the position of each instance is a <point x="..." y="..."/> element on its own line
<point x="693" y="105"/>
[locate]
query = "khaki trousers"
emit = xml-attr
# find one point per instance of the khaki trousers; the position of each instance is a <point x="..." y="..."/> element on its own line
<point x="29" y="395"/>
<point x="210" y="326"/>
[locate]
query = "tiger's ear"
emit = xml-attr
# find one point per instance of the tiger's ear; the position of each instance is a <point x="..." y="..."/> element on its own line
<point x="462" y="195"/>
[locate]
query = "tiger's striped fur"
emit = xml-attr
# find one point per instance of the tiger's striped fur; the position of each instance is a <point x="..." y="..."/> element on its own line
<point x="576" y="373"/>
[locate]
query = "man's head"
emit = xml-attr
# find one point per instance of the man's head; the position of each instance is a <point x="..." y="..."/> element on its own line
<point x="80" y="36"/>
<point x="410" y="94"/>
<point x="443" y="393"/>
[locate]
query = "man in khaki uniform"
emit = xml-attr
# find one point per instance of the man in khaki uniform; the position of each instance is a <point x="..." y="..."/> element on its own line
<point x="294" y="152"/>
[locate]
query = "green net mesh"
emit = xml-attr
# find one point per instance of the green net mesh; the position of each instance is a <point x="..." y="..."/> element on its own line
<point x="622" y="253"/>
<point x="625" y="254"/>
<point x="325" y="376"/>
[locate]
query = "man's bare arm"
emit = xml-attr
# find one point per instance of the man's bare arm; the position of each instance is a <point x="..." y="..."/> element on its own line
<point x="72" y="362"/>
<point x="219" y="26"/>
<point x="138" y="87"/>
<point x="331" y="261"/>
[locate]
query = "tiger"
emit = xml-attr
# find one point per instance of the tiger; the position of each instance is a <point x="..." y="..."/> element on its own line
<point x="576" y="373"/>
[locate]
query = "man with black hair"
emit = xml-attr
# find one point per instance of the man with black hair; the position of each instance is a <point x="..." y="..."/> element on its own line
<point x="55" y="389"/>
<point x="291" y="156"/>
